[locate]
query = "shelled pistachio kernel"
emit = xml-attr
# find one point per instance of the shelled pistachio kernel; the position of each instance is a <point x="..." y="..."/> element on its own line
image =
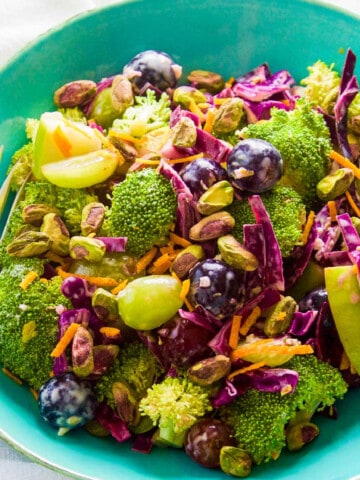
<point x="335" y="184"/>
<point x="218" y="196"/>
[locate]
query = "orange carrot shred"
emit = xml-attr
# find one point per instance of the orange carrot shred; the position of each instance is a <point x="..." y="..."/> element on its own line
<point x="185" y="287"/>
<point x="234" y="332"/>
<point x="248" y="349"/>
<point x="183" y="242"/>
<point x="209" y="120"/>
<point x="188" y="305"/>
<point x="105" y="282"/>
<point x="308" y="226"/>
<point x="28" y="279"/>
<point x="345" y="162"/>
<point x="229" y="82"/>
<point x="34" y="393"/>
<point x="194" y="108"/>
<point x="248" y="368"/>
<point x="250" y="320"/>
<point x="146" y="259"/>
<point x="12" y="376"/>
<point x="190" y="158"/>
<point x="352" y="203"/>
<point x="332" y="210"/>
<point x="120" y="286"/>
<point x="160" y="265"/>
<point x="110" y="331"/>
<point x="65" y="340"/>
<point x="344" y="362"/>
<point x="125" y="136"/>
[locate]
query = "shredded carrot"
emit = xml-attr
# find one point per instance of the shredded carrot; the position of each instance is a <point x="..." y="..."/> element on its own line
<point x="234" y="332"/>
<point x="160" y="265"/>
<point x="146" y="259"/>
<point x="332" y="210"/>
<point x="352" y="369"/>
<point x="183" y="242"/>
<point x="28" y="279"/>
<point x="188" y="305"/>
<point x="344" y="362"/>
<point x="250" y="320"/>
<point x="125" y="136"/>
<point x="105" y="282"/>
<point x="345" y="162"/>
<point x="110" y="331"/>
<point x="308" y="226"/>
<point x="194" y="108"/>
<point x="65" y="340"/>
<point x="120" y="286"/>
<point x="249" y="349"/>
<point x="220" y="101"/>
<point x="253" y="366"/>
<point x="62" y="142"/>
<point x="185" y="287"/>
<point x="209" y="120"/>
<point x="12" y="376"/>
<point x="229" y="82"/>
<point x="352" y="203"/>
<point x="34" y="393"/>
<point x="190" y="158"/>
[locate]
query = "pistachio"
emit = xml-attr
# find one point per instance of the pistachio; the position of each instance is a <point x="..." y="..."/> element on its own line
<point x="235" y="461"/>
<point x="235" y="254"/>
<point x="86" y="248"/>
<point x="210" y="370"/>
<point x="279" y="317"/>
<point x="122" y="95"/>
<point x="212" y="226"/>
<point x="82" y="352"/>
<point x="125" y="404"/>
<point x="75" y="93"/>
<point x="186" y="259"/>
<point x="104" y="356"/>
<point x="228" y="116"/>
<point x="210" y="81"/>
<point x="184" y="133"/>
<point x="56" y="229"/>
<point x="335" y="184"/>
<point x="354" y="124"/>
<point x="218" y="196"/>
<point x="34" y="213"/>
<point x="301" y="434"/>
<point x="29" y="243"/>
<point x="145" y="425"/>
<point x="92" y="218"/>
<point x="104" y="304"/>
<point x="185" y="94"/>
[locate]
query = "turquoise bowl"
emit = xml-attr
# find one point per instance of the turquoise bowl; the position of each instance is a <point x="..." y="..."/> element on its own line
<point x="229" y="37"/>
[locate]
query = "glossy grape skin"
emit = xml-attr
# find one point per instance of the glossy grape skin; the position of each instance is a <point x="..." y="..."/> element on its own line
<point x="205" y="439"/>
<point x="155" y="67"/>
<point x="254" y="165"/>
<point x="201" y="173"/>
<point x="215" y="286"/>
<point x="313" y="300"/>
<point x="66" y="401"/>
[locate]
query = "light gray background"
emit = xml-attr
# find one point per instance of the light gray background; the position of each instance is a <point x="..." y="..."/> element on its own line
<point x="20" y="22"/>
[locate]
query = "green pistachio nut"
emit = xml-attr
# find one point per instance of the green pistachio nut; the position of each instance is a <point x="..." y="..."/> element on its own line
<point x="74" y="93"/>
<point x="210" y="370"/>
<point x="104" y="356"/>
<point x="82" y="352"/>
<point x="213" y="226"/>
<point x="210" y="81"/>
<point x="184" y="133"/>
<point x="235" y="254"/>
<point x="92" y="218"/>
<point x="29" y="243"/>
<point x="228" y="116"/>
<point x="186" y="259"/>
<point x="122" y="95"/>
<point x="335" y="184"/>
<point x="86" y="248"/>
<point x="56" y="229"/>
<point x="279" y="317"/>
<point x="125" y="404"/>
<point x="34" y="214"/>
<point x="185" y="94"/>
<point x="104" y="304"/>
<point x="301" y="434"/>
<point x="235" y="461"/>
<point x="216" y="197"/>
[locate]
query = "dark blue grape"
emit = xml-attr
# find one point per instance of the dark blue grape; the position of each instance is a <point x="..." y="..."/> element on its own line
<point x="154" y="67"/>
<point x="66" y="401"/>
<point x="254" y="165"/>
<point x="201" y="173"/>
<point x="313" y="300"/>
<point x="215" y="286"/>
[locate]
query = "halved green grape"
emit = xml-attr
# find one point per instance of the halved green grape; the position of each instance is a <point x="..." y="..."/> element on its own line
<point x="58" y="138"/>
<point x="148" y="302"/>
<point x="81" y="171"/>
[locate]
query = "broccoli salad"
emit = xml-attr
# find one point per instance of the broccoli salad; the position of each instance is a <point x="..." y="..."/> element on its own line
<point x="182" y="267"/>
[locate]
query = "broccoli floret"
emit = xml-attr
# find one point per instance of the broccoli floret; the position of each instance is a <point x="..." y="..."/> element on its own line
<point x="259" y="418"/>
<point x="148" y="114"/>
<point x="174" y="405"/>
<point x="303" y="140"/>
<point x="20" y="165"/>
<point x="322" y="85"/>
<point x="28" y="321"/>
<point x="143" y="210"/>
<point x="135" y="366"/>
<point x="287" y="214"/>
<point x="74" y="114"/>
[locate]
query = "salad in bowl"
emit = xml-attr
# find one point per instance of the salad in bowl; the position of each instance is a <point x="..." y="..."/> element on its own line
<point x="180" y="266"/>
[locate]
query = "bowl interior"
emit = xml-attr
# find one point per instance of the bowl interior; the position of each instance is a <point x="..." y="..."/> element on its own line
<point x="228" y="37"/>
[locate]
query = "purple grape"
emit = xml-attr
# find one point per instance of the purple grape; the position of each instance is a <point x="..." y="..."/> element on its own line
<point x="201" y="173"/>
<point x="254" y="165"/>
<point x="215" y="286"/>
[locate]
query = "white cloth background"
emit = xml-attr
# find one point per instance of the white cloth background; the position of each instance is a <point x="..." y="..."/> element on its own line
<point x="20" y="22"/>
